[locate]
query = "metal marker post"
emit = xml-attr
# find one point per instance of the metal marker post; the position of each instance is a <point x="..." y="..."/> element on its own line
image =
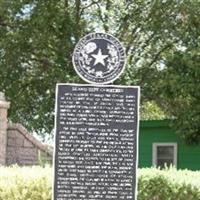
<point x="96" y="139"/>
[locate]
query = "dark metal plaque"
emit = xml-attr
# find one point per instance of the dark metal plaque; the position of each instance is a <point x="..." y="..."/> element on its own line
<point x="96" y="142"/>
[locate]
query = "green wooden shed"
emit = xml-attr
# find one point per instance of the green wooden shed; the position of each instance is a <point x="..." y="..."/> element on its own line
<point x="159" y="145"/>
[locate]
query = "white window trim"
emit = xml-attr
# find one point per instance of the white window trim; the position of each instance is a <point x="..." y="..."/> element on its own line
<point x="154" y="152"/>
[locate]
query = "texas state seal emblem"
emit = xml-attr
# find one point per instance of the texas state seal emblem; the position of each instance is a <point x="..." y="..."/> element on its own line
<point x="99" y="58"/>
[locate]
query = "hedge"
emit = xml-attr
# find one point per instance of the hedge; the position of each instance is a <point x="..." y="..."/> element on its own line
<point x="168" y="184"/>
<point x="25" y="183"/>
<point x="34" y="183"/>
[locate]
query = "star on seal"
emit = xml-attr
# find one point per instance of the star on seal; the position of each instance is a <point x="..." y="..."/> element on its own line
<point x="99" y="58"/>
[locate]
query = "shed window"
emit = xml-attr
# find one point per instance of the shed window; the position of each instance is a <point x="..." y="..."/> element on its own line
<point x="164" y="154"/>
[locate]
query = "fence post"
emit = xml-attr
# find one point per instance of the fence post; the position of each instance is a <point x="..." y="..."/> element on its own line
<point x="4" y="106"/>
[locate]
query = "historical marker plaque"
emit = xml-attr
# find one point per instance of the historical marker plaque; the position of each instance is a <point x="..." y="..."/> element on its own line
<point x="96" y="142"/>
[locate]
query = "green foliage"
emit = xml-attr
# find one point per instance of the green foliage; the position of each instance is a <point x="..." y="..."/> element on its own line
<point x="161" y="38"/>
<point x="27" y="183"/>
<point x="36" y="42"/>
<point x="33" y="183"/>
<point x="168" y="184"/>
<point x="181" y="93"/>
<point x="149" y="110"/>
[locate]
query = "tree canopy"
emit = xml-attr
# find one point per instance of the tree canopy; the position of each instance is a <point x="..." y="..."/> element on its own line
<point x="161" y="38"/>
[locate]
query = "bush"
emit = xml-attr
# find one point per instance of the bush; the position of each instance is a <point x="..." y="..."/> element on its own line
<point x="25" y="183"/>
<point x="168" y="184"/>
<point x="35" y="183"/>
